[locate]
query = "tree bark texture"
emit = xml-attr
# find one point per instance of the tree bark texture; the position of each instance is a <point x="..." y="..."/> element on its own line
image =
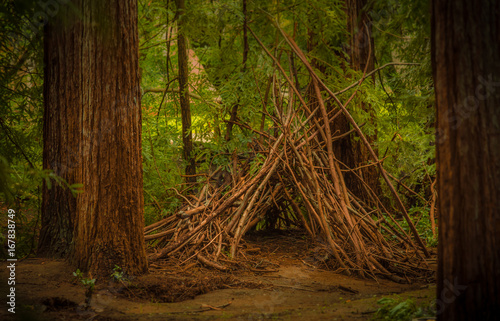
<point x="92" y="135"/>
<point x="183" y="60"/>
<point x="361" y="54"/>
<point x="466" y="67"/>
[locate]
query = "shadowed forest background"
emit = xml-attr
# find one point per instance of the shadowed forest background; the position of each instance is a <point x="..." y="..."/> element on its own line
<point x="141" y="135"/>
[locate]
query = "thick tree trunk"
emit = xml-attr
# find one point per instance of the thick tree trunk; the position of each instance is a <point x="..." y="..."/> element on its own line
<point x="361" y="53"/>
<point x="92" y="136"/>
<point x="466" y="51"/>
<point x="187" y="136"/>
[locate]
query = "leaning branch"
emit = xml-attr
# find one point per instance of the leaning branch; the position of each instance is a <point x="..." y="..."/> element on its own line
<point x="300" y="54"/>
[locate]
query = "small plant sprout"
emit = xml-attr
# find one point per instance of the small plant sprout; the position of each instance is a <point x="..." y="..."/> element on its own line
<point x="117" y="273"/>
<point x="88" y="282"/>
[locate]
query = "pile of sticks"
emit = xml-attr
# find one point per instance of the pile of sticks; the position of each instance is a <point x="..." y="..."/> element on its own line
<point x="294" y="180"/>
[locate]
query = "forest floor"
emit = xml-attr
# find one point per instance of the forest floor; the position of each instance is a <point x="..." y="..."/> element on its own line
<point x="288" y="281"/>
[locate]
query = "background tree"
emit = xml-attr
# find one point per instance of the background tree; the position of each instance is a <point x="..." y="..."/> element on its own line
<point x="92" y="136"/>
<point x="352" y="49"/>
<point x="361" y="53"/>
<point x="21" y="109"/>
<point x="183" y="59"/>
<point x="234" y="110"/>
<point x="466" y="47"/>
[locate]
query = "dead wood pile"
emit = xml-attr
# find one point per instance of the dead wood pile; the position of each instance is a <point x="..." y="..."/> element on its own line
<point x="298" y="182"/>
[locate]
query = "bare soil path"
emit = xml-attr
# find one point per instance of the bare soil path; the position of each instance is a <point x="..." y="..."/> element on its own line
<point x="286" y="279"/>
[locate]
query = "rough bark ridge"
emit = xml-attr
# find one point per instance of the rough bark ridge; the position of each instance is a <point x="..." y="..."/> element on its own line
<point x="466" y="51"/>
<point x="92" y="135"/>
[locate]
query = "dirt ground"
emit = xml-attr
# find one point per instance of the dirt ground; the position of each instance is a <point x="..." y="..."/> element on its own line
<point x="285" y="280"/>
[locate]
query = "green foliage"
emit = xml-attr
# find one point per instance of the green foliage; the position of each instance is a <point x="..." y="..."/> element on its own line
<point x="421" y="219"/>
<point x="400" y="97"/>
<point x="88" y="283"/>
<point x="21" y="79"/>
<point x="256" y="163"/>
<point x="20" y="84"/>
<point x="117" y="274"/>
<point x="423" y="225"/>
<point x="399" y="310"/>
<point x="405" y="113"/>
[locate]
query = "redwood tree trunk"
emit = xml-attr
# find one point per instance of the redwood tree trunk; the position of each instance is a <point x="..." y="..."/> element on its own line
<point x="466" y="65"/>
<point x="92" y="136"/>
<point x="183" y="60"/>
<point x="361" y="58"/>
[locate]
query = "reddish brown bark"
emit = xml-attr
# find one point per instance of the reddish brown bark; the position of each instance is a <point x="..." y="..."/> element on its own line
<point x="361" y="54"/>
<point x="466" y="66"/>
<point x="92" y="136"/>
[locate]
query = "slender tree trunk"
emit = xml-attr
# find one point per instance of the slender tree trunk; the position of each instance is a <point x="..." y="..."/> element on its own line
<point x="234" y="111"/>
<point x="92" y="136"/>
<point x="361" y="53"/>
<point x="187" y="136"/>
<point x="466" y="65"/>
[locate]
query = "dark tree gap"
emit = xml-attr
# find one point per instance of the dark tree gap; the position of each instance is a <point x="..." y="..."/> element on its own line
<point x="466" y="65"/>
<point x="92" y="136"/>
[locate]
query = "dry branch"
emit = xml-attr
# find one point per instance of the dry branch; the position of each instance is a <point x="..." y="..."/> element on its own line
<point x="299" y="184"/>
